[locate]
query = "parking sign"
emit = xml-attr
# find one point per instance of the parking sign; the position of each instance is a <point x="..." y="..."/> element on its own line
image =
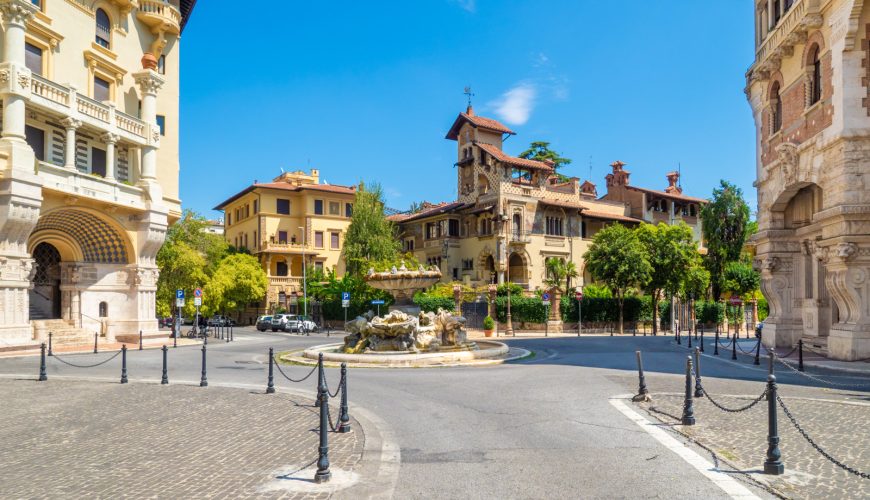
<point x="179" y="294"/>
<point x="345" y="299"/>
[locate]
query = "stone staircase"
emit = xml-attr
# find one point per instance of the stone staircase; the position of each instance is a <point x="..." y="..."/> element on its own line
<point x="62" y="332"/>
<point x="817" y="344"/>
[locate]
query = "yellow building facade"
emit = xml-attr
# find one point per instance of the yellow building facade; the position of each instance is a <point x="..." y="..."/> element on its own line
<point x="88" y="163"/>
<point x="291" y="222"/>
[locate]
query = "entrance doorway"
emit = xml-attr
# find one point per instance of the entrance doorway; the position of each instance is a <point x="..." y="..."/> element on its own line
<point x="45" y="294"/>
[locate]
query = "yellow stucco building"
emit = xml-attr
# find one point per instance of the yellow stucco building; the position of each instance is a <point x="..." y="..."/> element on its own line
<point x="291" y="220"/>
<point x="88" y="163"/>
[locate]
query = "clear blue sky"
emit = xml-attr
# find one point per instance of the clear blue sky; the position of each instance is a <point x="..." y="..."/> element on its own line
<point x="368" y="91"/>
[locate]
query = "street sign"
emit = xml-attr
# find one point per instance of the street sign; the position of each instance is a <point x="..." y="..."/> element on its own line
<point x="378" y="302"/>
<point x="197" y="293"/>
<point x="345" y="295"/>
<point x="546" y="298"/>
<point x="197" y="301"/>
<point x="179" y="302"/>
<point x="735" y="300"/>
<point x="179" y="294"/>
<point x="579" y="295"/>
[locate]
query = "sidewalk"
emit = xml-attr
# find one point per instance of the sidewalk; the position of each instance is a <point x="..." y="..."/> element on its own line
<point x="102" y="345"/>
<point x="70" y="439"/>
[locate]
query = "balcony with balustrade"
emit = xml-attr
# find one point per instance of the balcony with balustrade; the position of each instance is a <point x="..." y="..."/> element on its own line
<point x="785" y="29"/>
<point x="160" y="15"/>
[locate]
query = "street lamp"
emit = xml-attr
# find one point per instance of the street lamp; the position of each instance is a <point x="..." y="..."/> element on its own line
<point x="509" y="328"/>
<point x="304" y="275"/>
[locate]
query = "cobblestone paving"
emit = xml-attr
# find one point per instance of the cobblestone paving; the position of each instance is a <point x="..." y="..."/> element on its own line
<point x="100" y="440"/>
<point x="741" y="438"/>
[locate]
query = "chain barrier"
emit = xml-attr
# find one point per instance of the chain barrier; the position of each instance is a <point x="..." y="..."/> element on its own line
<point x="290" y="379"/>
<point x="332" y="426"/>
<point x="816" y="446"/>
<point x="813" y="377"/>
<point x="750" y="353"/>
<point x="726" y="345"/>
<point x="86" y="366"/>
<point x="340" y="385"/>
<point x="734" y="410"/>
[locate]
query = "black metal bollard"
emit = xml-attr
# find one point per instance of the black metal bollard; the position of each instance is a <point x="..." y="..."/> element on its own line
<point x="232" y="337"/>
<point x="801" y="355"/>
<point x="140" y="340"/>
<point x="320" y="377"/>
<point x="689" y="336"/>
<point x="699" y="391"/>
<point x="702" y="340"/>
<point x="95" y="343"/>
<point x="203" y="381"/>
<point x="770" y="356"/>
<point x="227" y="335"/>
<point x="323" y="475"/>
<point x="734" y="347"/>
<point x="716" y="344"/>
<point x="270" y="386"/>
<point x="773" y="462"/>
<point x="175" y="341"/>
<point x="124" y="363"/>
<point x="688" y="417"/>
<point x="42" y="376"/>
<point x="165" y="378"/>
<point x="343" y="417"/>
<point x="677" y="335"/>
<point x="642" y="391"/>
<point x="49" y="344"/>
<point x="757" y="353"/>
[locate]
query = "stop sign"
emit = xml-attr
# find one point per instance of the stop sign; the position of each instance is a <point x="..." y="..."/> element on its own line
<point x="579" y="295"/>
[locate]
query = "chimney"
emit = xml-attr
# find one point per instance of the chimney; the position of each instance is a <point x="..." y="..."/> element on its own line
<point x="469" y="110"/>
<point x="619" y="176"/>
<point x="673" y="178"/>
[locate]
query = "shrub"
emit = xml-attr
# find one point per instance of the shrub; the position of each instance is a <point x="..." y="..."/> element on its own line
<point x="432" y="303"/>
<point x="523" y="309"/>
<point x="488" y="323"/>
<point x="709" y="312"/>
<point x="502" y="290"/>
<point x="601" y="309"/>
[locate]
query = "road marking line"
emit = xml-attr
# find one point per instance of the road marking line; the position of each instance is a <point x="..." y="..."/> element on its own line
<point x="725" y="482"/>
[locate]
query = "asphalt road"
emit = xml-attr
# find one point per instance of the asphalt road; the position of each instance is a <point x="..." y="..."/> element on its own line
<point x="538" y="428"/>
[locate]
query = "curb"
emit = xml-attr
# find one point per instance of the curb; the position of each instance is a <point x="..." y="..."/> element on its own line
<point x="381" y="458"/>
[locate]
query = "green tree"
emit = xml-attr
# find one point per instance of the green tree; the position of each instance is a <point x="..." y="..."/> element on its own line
<point x="696" y="283"/>
<point x="726" y="225"/>
<point x="238" y="280"/>
<point x="739" y="278"/>
<point x="370" y="236"/>
<point x="671" y="252"/>
<point x="618" y="259"/>
<point x="540" y="151"/>
<point x="559" y="272"/>
<point x="187" y="258"/>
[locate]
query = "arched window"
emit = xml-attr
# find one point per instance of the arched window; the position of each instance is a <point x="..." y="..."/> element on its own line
<point x="775" y="109"/>
<point x="104" y="27"/>
<point x="816" y="81"/>
<point x="104" y="310"/>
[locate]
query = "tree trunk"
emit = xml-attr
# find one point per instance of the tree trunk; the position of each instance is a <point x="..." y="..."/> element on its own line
<point x="655" y="313"/>
<point x="620" y="313"/>
<point x="717" y="291"/>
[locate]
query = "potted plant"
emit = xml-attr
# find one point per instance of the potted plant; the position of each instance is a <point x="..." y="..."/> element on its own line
<point x="488" y="326"/>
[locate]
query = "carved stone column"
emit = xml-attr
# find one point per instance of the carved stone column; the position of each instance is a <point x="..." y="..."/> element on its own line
<point x="149" y="83"/>
<point x="69" y="156"/>
<point x="848" y="282"/>
<point x="457" y="299"/>
<point x="783" y="327"/>
<point x="111" y="140"/>
<point x="554" y="320"/>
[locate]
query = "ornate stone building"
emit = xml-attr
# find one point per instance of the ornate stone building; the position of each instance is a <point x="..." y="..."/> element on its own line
<point x="88" y="163"/>
<point x="512" y="214"/>
<point x="808" y="89"/>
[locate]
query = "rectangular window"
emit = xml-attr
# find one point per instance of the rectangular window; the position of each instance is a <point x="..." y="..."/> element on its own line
<point x="283" y="207"/>
<point x="554" y="226"/>
<point x="334" y="208"/>
<point x="230" y="219"/>
<point x="453" y="227"/>
<point x="246" y="240"/>
<point x="348" y="210"/>
<point x="161" y="65"/>
<point x="102" y="89"/>
<point x="98" y="161"/>
<point x="334" y="240"/>
<point x="247" y="210"/>
<point x="33" y="58"/>
<point x="282" y="237"/>
<point x="161" y="122"/>
<point x="318" y="207"/>
<point x="35" y="139"/>
<point x="318" y="266"/>
<point x="408" y="245"/>
<point x="455" y="273"/>
<point x="256" y="206"/>
<point x="256" y="242"/>
<point x="318" y="239"/>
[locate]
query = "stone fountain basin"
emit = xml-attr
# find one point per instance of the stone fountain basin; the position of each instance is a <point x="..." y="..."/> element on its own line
<point x="487" y="350"/>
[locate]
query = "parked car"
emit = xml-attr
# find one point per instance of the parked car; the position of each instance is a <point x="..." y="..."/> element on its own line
<point x="300" y="324"/>
<point x="219" y="320"/>
<point x="165" y="322"/>
<point x="279" y="322"/>
<point x="264" y="323"/>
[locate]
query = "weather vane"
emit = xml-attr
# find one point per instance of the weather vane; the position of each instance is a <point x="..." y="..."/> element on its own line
<point x="469" y="94"/>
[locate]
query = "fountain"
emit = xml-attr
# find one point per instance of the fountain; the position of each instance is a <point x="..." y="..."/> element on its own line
<point x="405" y="328"/>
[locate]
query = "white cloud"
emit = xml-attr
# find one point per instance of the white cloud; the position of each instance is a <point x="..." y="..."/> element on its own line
<point x="540" y="59"/>
<point x="467" y="5"/>
<point x="516" y="105"/>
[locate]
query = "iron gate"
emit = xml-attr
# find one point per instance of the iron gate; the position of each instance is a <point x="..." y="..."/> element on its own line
<point x="474" y="312"/>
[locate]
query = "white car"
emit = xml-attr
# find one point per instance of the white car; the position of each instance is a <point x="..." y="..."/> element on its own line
<point x="300" y="324"/>
<point x="279" y="322"/>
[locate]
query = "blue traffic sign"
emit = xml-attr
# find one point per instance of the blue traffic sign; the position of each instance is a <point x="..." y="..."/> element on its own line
<point x="345" y="295"/>
<point x="197" y="293"/>
<point x="377" y="302"/>
<point x="545" y="297"/>
<point x="179" y="294"/>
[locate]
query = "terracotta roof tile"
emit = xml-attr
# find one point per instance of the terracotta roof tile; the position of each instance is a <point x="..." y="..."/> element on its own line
<point x="499" y="155"/>
<point x="440" y="208"/>
<point x="286" y="186"/>
<point x="477" y="121"/>
<point x="663" y="194"/>
<point x="604" y="215"/>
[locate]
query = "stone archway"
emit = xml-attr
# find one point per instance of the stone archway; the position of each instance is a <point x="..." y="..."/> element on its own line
<point x="517" y="269"/>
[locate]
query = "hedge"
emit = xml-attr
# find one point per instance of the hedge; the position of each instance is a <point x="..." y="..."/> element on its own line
<point x="431" y="304"/>
<point x="602" y="309"/>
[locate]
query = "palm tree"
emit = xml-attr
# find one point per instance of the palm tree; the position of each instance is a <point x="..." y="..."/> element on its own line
<point x="559" y="271"/>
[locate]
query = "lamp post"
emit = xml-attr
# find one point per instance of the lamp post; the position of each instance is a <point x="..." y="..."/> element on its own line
<point x="509" y="328"/>
<point x="304" y="276"/>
